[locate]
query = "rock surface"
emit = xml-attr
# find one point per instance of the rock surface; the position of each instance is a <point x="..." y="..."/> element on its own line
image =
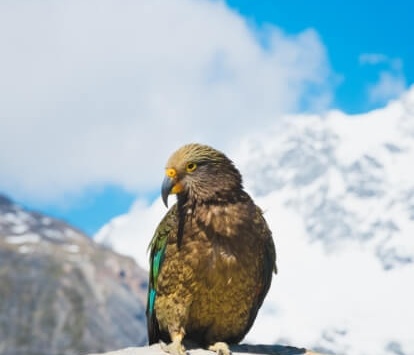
<point x="242" y="349"/>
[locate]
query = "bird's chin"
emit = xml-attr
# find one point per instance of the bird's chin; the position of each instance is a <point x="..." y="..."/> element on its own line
<point x="177" y="188"/>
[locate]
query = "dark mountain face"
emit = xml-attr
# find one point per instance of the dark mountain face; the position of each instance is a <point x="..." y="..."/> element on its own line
<point x="61" y="293"/>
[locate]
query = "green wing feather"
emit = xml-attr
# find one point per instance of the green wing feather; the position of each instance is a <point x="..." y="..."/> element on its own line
<point x="157" y="249"/>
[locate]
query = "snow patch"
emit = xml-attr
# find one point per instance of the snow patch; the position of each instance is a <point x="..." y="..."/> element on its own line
<point x="24" y="238"/>
<point x="72" y="248"/>
<point x="53" y="234"/>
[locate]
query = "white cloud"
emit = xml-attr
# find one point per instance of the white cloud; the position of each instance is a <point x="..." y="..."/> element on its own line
<point x="389" y="86"/>
<point x="372" y="58"/>
<point x="102" y="91"/>
<point x="391" y="81"/>
<point x="379" y="58"/>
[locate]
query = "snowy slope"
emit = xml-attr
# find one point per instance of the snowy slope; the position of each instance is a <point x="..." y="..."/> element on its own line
<point x="60" y="292"/>
<point x="338" y="192"/>
<point x="349" y="178"/>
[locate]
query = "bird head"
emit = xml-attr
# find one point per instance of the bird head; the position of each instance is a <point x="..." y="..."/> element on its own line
<point x="199" y="172"/>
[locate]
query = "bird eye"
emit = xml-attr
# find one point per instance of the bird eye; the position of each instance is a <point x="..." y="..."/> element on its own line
<point x="191" y="167"/>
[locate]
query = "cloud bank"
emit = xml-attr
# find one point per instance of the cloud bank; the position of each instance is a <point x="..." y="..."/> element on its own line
<point x="100" y="92"/>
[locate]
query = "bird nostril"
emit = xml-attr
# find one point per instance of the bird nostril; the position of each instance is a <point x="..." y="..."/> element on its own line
<point x="170" y="172"/>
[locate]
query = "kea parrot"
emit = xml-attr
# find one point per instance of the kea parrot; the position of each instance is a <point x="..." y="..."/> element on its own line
<point x="212" y="256"/>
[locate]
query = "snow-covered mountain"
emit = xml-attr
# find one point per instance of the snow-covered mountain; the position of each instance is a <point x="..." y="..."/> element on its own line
<point x="338" y="192"/>
<point x="60" y="292"/>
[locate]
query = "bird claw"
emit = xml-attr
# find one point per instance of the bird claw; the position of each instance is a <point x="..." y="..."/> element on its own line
<point x="221" y="348"/>
<point x="174" y="348"/>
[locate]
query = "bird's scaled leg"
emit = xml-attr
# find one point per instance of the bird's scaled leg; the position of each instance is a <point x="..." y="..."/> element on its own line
<point x="221" y="348"/>
<point x="175" y="347"/>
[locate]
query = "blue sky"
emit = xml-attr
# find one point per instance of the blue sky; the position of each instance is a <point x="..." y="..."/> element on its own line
<point x="348" y="29"/>
<point x="95" y="95"/>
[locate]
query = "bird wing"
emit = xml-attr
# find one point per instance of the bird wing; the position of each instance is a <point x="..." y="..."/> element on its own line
<point x="269" y="266"/>
<point x="157" y="248"/>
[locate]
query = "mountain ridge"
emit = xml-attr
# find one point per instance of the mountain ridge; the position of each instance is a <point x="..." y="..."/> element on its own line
<point x="60" y="292"/>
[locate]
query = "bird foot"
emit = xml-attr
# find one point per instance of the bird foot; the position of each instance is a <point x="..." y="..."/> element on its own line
<point x="174" y="348"/>
<point x="220" y="348"/>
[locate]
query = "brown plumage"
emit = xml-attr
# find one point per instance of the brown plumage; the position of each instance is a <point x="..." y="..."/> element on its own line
<point x="212" y="256"/>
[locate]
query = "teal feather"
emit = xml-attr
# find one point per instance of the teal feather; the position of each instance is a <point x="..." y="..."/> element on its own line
<point x="151" y="300"/>
<point x="158" y="257"/>
<point x="154" y="272"/>
<point x="157" y="249"/>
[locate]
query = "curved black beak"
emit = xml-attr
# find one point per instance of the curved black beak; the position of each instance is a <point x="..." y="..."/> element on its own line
<point x="166" y="188"/>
